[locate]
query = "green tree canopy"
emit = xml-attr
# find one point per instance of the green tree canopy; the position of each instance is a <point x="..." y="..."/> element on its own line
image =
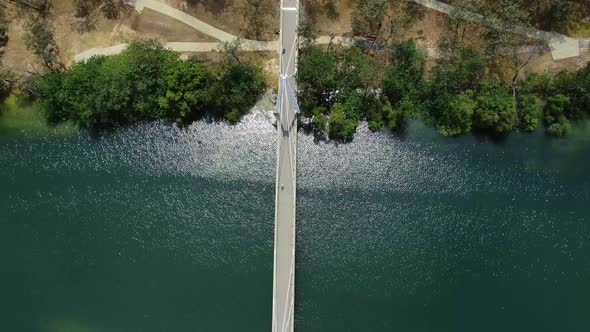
<point x="458" y="117"/>
<point x="341" y="128"/>
<point x="554" y="115"/>
<point x="147" y="82"/>
<point x="187" y="90"/>
<point x="494" y="110"/>
<point x="405" y="75"/>
<point x="317" y="77"/>
<point x="528" y="112"/>
<point x="238" y="89"/>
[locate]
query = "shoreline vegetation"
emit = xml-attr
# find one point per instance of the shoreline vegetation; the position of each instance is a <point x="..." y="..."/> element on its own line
<point x="148" y="82"/>
<point x="480" y="84"/>
<point x="341" y="86"/>
<point x="338" y="87"/>
<point x="470" y="89"/>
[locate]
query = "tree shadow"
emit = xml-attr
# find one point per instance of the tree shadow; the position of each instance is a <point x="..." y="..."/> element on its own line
<point x="488" y="136"/>
<point x="214" y="6"/>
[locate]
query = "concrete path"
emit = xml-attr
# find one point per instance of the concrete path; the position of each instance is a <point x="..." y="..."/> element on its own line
<point x="194" y="47"/>
<point x="182" y="17"/>
<point x="284" y="248"/>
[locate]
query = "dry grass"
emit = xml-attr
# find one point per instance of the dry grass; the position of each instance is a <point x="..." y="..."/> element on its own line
<point x="229" y="18"/>
<point x="340" y="25"/>
<point x="151" y="24"/>
<point x="427" y="32"/>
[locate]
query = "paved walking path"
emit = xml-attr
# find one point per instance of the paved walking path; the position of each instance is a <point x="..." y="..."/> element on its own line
<point x="183" y="17"/>
<point x="195" y="47"/>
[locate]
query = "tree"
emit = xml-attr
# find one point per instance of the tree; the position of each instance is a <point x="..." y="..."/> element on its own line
<point x="238" y="89"/>
<point x="186" y="91"/>
<point x="214" y="6"/>
<point x="7" y="79"/>
<point x="307" y="31"/>
<point x="554" y="115"/>
<point x="341" y="128"/>
<point x="3" y="28"/>
<point x="315" y="9"/>
<point x="384" y="21"/>
<point x="356" y="70"/>
<point x="557" y="15"/>
<point x="504" y="16"/>
<point x="405" y="75"/>
<point x="459" y="27"/>
<point x="239" y="83"/>
<point x="458" y="117"/>
<point x="390" y="117"/>
<point x="258" y="15"/>
<point x="40" y="39"/>
<point x="494" y="110"/>
<point x="540" y="84"/>
<point x="367" y="19"/>
<point x="146" y="82"/>
<point x="528" y="112"/>
<point x="397" y="118"/>
<point x="453" y="76"/>
<point x="320" y="122"/>
<point x="317" y="77"/>
<point x="87" y="11"/>
<point x="575" y="85"/>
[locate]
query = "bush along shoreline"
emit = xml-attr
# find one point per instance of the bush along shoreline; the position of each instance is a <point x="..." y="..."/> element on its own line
<point x="148" y="82"/>
<point x="338" y="87"/>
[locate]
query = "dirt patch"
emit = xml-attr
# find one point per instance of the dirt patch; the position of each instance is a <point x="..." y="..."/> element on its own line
<point x="227" y="18"/>
<point x="543" y="62"/>
<point x="226" y="15"/>
<point x="106" y="33"/>
<point x="16" y="55"/>
<point x="130" y="26"/>
<point x="70" y="40"/>
<point x="155" y="25"/>
<point x="335" y="18"/>
<point x="428" y="31"/>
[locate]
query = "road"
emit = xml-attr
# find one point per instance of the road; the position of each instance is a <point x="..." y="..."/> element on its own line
<point x="284" y="250"/>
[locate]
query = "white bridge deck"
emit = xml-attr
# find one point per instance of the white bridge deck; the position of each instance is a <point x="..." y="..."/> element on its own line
<point x="284" y="245"/>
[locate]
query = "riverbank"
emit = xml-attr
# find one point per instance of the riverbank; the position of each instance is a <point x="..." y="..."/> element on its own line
<point x="22" y="116"/>
<point x="459" y="94"/>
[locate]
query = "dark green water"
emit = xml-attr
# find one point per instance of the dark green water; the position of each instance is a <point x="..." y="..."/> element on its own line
<point x="160" y="229"/>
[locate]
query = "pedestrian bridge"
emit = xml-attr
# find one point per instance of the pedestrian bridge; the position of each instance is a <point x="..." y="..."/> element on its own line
<point x="286" y="115"/>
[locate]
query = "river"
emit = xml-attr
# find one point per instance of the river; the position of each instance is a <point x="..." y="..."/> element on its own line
<point x="155" y="228"/>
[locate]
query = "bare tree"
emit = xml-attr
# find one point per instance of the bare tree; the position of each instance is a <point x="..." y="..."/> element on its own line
<point x="88" y="11"/>
<point x="384" y="21"/>
<point x="258" y="17"/>
<point x="40" y="39"/>
<point x="214" y="6"/>
<point x="507" y="14"/>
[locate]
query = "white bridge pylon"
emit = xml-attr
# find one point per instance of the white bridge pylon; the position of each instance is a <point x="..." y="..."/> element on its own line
<point x="285" y="87"/>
